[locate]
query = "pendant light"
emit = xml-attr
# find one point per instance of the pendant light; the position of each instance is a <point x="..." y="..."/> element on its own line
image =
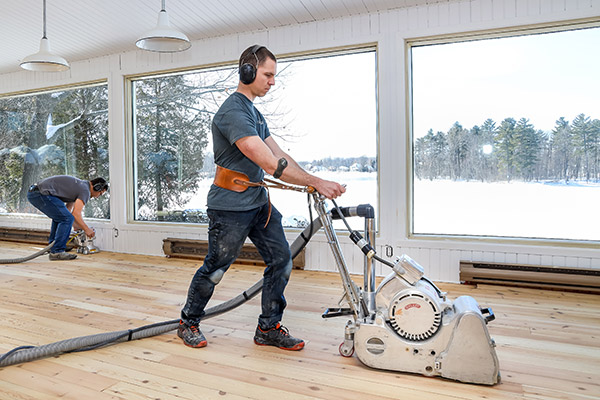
<point x="163" y="38"/>
<point x="44" y="60"/>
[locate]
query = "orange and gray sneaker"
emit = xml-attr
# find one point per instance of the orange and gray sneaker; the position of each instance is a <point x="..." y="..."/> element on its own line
<point x="191" y="335"/>
<point x="278" y="337"/>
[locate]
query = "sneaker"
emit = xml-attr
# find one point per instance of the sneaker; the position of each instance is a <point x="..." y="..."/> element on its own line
<point x="278" y="337"/>
<point x="61" y="256"/>
<point x="191" y="335"/>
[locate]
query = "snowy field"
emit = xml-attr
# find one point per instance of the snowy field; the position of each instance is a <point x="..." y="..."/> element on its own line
<point x="535" y="209"/>
<point x="517" y="209"/>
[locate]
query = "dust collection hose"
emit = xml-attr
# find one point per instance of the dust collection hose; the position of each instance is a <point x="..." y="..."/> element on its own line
<point x="83" y="343"/>
<point x="31" y="257"/>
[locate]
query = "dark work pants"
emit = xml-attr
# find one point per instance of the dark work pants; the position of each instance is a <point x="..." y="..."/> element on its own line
<point x="227" y="232"/>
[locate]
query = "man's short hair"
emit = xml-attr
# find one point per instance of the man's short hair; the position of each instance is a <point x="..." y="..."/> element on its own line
<point x="99" y="184"/>
<point x="261" y="55"/>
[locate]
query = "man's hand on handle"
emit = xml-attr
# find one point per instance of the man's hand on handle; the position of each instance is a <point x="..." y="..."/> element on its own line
<point x="329" y="189"/>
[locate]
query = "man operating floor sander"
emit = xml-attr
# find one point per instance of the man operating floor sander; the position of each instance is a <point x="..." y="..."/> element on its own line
<point x="62" y="199"/>
<point x="406" y="324"/>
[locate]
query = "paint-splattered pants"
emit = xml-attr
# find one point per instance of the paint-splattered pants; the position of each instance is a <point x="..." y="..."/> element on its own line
<point x="227" y="232"/>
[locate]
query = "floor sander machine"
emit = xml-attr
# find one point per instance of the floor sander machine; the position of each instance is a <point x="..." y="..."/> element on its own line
<point x="77" y="240"/>
<point x="82" y="243"/>
<point x="406" y="324"/>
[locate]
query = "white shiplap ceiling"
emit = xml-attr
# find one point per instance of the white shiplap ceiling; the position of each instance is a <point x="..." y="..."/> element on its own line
<point x="83" y="29"/>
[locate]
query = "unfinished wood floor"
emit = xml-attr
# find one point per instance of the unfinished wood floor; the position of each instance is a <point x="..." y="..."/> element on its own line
<point x="547" y="341"/>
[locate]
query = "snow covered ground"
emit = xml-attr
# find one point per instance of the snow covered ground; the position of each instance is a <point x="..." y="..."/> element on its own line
<point x="522" y="209"/>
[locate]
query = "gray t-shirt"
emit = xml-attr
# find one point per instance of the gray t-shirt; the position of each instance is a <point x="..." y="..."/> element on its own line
<point x="237" y="118"/>
<point x="66" y="188"/>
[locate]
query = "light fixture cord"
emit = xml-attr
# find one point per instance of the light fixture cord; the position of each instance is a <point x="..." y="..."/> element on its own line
<point x="163" y="5"/>
<point x="44" y="37"/>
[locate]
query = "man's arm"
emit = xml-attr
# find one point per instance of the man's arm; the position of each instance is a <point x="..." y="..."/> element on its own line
<point x="76" y="208"/>
<point x="266" y="154"/>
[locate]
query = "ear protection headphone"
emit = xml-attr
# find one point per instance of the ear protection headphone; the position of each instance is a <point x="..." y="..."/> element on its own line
<point x="248" y="70"/>
<point x="100" y="186"/>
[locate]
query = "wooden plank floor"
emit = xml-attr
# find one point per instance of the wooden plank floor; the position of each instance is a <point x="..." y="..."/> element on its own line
<point x="548" y="342"/>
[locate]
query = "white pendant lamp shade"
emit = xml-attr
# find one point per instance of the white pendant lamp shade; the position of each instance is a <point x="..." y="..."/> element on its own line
<point x="44" y="60"/>
<point x="163" y="38"/>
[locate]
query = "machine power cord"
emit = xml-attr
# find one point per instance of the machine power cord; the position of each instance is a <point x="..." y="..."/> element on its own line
<point x="83" y="343"/>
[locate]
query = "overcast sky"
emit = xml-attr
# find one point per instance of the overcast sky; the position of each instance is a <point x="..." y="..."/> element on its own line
<point x="539" y="77"/>
<point x="329" y="110"/>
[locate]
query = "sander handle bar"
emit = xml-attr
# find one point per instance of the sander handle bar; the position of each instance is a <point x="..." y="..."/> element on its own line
<point x="351" y="291"/>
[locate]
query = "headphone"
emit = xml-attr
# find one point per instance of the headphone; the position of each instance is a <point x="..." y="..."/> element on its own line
<point x="247" y="70"/>
<point x="100" y="186"/>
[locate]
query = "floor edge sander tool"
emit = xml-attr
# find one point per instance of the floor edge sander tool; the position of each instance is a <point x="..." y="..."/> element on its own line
<point x="77" y="239"/>
<point x="407" y="324"/>
<point x="82" y="243"/>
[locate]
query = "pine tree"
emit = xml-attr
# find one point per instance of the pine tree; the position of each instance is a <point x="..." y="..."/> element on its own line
<point x="585" y="141"/>
<point x="458" y="147"/>
<point x="562" y="149"/>
<point x="85" y="140"/>
<point x="505" y="143"/>
<point x="526" y="150"/>
<point x="173" y="122"/>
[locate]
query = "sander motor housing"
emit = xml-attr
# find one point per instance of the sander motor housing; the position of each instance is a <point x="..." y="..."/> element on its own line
<point x="416" y="329"/>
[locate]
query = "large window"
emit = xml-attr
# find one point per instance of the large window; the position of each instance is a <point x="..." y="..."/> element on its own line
<point x="59" y="132"/>
<point x="320" y="111"/>
<point x="506" y="136"/>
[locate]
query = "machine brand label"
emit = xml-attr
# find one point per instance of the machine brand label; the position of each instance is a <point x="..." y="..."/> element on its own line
<point x="411" y="305"/>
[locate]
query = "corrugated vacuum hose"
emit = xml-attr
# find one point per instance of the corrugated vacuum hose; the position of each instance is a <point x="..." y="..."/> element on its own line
<point x="83" y="343"/>
<point x="31" y="257"/>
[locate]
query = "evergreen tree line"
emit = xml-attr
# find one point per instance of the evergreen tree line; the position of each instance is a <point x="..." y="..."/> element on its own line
<point x="513" y="150"/>
<point x="337" y="162"/>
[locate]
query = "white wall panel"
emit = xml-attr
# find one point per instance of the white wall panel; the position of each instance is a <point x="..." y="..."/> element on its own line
<point x="560" y="261"/>
<point x="443" y="265"/>
<point x="522" y="258"/>
<point x="583" y="262"/>
<point x="534" y="259"/>
<point x="389" y="30"/>
<point x="546" y="259"/>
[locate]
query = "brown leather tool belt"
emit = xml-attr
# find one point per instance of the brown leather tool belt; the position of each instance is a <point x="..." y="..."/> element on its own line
<point x="238" y="182"/>
<point x="232" y="180"/>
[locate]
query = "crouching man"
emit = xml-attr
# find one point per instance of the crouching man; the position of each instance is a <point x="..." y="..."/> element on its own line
<point x="62" y="199"/>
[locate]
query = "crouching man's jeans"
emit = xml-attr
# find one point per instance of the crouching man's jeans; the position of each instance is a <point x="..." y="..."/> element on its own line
<point x="62" y="219"/>
<point x="227" y="232"/>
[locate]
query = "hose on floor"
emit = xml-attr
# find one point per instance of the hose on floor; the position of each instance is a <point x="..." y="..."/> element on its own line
<point x="31" y="257"/>
<point x="24" y="354"/>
